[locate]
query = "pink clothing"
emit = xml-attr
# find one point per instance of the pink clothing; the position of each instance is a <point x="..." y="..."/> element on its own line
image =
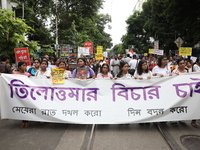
<point x="101" y="75"/>
<point x="26" y="73"/>
<point x="178" y="72"/>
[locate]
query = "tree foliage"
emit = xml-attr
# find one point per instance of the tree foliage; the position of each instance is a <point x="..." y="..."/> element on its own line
<point x="36" y="14"/>
<point x="11" y="33"/>
<point x="164" y="20"/>
<point x="117" y="49"/>
<point x="78" y="21"/>
<point x="83" y="18"/>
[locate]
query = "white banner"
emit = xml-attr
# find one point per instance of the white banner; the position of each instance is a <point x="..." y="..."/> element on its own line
<point x="158" y="52"/>
<point x="91" y="102"/>
<point x="83" y="51"/>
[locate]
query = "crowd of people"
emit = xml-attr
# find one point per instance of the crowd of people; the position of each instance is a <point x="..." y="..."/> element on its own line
<point x="113" y="68"/>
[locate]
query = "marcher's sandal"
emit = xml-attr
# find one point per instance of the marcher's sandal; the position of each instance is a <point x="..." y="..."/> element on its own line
<point x="193" y="123"/>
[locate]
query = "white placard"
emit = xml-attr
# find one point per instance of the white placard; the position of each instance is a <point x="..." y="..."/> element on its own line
<point x="105" y="54"/>
<point x="194" y="59"/>
<point x="83" y="51"/>
<point x="158" y="52"/>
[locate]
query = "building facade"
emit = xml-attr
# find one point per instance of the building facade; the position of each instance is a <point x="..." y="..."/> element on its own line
<point x="5" y="4"/>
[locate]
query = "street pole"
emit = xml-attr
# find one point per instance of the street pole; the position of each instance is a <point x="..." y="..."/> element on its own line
<point x="23" y="10"/>
<point x="56" y="29"/>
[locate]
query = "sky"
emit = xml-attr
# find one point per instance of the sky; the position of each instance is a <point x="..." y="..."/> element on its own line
<point x="119" y="10"/>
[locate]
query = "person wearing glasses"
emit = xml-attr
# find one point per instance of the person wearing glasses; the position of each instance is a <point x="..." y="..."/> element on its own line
<point x="180" y="70"/>
<point x="162" y="68"/>
<point x="123" y="74"/>
<point x="142" y="71"/>
<point x="35" y="67"/>
<point x="181" y="67"/>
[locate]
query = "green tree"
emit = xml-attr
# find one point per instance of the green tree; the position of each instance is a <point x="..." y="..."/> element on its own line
<point x="11" y="33"/>
<point x="136" y="35"/>
<point x="78" y="21"/>
<point x="83" y="18"/>
<point x="36" y="15"/>
<point x="118" y="49"/>
<point x="164" y="20"/>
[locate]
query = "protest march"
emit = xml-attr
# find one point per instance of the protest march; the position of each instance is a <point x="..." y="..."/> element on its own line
<point x="128" y="90"/>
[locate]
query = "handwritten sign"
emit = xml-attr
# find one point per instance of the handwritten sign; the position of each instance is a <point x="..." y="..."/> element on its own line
<point x="151" y="51"/>
<point x="22" y="54"/>
<point x="99" y="56"/>
<point x="185" y="51"/>
<point x="83" y="51"/>
<point x="64" y="50"/>
<point x="99" y="49"/>
<point x="90" y="45"/>
<point x="158" y="52"/>
<point x="58" y="76"/>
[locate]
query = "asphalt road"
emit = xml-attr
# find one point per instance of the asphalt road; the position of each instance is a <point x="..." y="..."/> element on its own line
<point x="56" y="136"/>
<point x="53" y="136"/>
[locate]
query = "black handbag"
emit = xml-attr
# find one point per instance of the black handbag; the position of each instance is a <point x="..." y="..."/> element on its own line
<point x="131" y="71"/>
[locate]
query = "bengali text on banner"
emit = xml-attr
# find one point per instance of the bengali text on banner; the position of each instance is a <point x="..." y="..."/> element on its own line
<point x="101" y="101"/>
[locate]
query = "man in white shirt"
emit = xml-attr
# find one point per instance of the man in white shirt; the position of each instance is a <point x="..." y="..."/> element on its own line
<point x="111" y="67"/>
<point x="196" y="66"/>
<point x="127" y="59"/>
<point x="115" y="63"/>
<point x="133" y="63"/>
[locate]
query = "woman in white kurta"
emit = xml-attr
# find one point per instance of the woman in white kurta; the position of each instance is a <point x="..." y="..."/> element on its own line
<point x="162" y="68"/>
<point x="142" y="71"/>
<point x="43" y="72"/>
